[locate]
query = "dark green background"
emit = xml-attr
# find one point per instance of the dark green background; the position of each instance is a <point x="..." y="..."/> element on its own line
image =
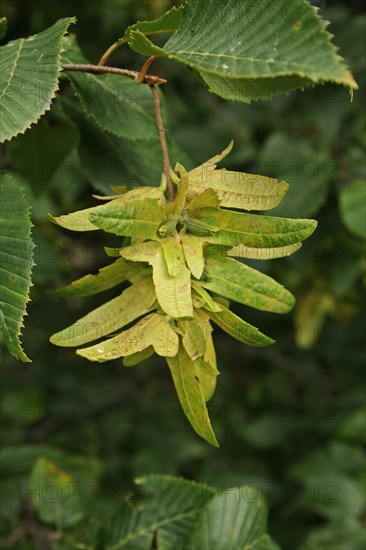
<point x="290" y="420"/>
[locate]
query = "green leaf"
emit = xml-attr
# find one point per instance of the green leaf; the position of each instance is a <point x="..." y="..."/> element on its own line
<point x="153" y="330"/>
<point x="193" y="253"/>
<point x="234" y="189"/>
<point x="253" y="230"/>
<point x="194" y="339"/>
<point x="242" y="251"/>
<point x="208" y="197"/>
<point x="58" y="499"/>
<point x="16" y="260"/>
<point x="306" y="169"/>
<point x="134" y="219"/>
<point x="239" y="329"/>
<point x="30" y="69"/>
<point x="106" y="278"/>
<point x="236" y="518"/>
<point x="252" y="50"/>
<point x="352" y="202"/>
<point x="173" y="254"/>
<point x="169" y="514"/>
<point x="114" y="102"/>
<point x="108" y="160"/>
<point x="136" y="358"/>
<point x="187" y="384"/>
<point x="236" y="281"/>
<point x="173" y="292"/>
<point x="37" y="154"/>
<point x="3" y="26"/>
<point x="207" y="301"/>
<point x="168" y="22"/>
<point x="80" y="220"/>
<point x="134" y="302"/>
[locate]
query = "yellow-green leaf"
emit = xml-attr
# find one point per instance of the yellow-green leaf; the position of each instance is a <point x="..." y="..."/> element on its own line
<point x="135" y="301"/>
<point x="153" y="330"/>
<point x="173" y="293"/>
<point x="173" y="254"/>
<point x="242" y="251"/>
<point x="194" y="339"/>
<point x="236" y="189"/>
<point x="131" y="219"/>
<point x="239" y="329"/>
<point x="80" y="220"/>
<point x="208" y="197"/>
<point x="138" y="357"/>
<point x="186" y="378"/>
<point x="106" y="278"/>
<point x="193" y="253"/>
<point x="236" y="281"/>
<point x="253" y="230"/>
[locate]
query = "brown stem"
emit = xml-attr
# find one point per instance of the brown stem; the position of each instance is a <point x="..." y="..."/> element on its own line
<point x="164" y="147"/>
<point x="99" y="69"/>
<point x="144" y="68"/>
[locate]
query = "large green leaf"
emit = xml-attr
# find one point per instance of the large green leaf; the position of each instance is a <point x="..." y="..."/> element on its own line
<point x="30" y="69"/>
<point x="352" y="202"/>
<point x="234" y="189"/>
<point x="252" y="50"/>
<point x="110" y="160"/>
<point x="114" y="102"/>
<point x="188" y="386"/>
<point x="233" y="519"/>
<point x="168" y="22"/>
<point x="134" y="302"/>
<point x="238" y="282"/>
<point x="152" y="330"/>
<point x="133" y="219"/>
<point x="253" y="230"/>
<point x="16" y="261"/>
<point x="169" y="513"/>
<point x="107" y="277"/>
<point x="37" y="154"/>
<point x="63" y="505"/>
<point x="306" y="169"/>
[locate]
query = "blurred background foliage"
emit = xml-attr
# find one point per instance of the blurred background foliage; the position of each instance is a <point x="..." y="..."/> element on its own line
<point x="291" y="418"/>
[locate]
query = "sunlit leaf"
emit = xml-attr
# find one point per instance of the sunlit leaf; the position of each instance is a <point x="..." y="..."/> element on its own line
<point x="138" y="357"/>
<point x="187" y="384"/>
<point x="253" y="230"/>
<point x="153" y="330"/>
<point x="193" y="253"/>
<point x="133" y="219"/>
<point x="208" y="197"/>
<point x="80" y="220"/>
<point x="242" y="251"/>
<point x="134" y="302"/>
<point x="235" y="189"/>
<point x="173" y="254"/>
<point x="194" y="339"/>
<point x="173" y="293"/>
<point x="245" y="285"/>
<point x="106" y="278"/>
<point x="239" y="329"/>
